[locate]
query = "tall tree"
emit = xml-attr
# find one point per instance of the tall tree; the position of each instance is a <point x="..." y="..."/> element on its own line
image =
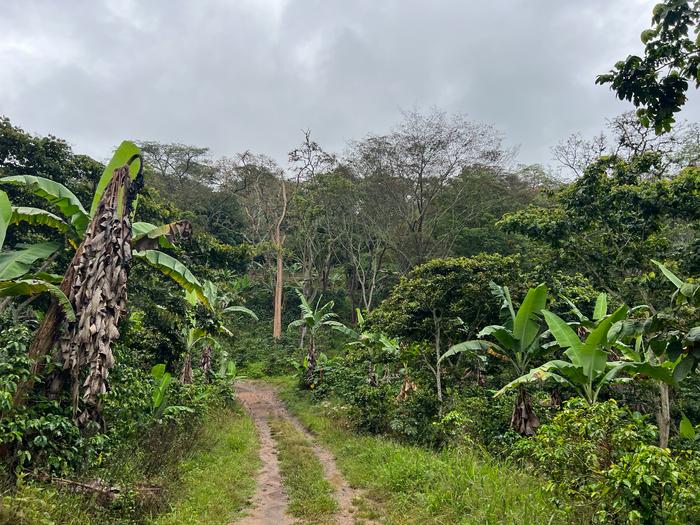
<point x="415" y="164"/>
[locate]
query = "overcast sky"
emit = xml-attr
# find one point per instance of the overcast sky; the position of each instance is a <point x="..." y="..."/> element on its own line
<point x="250" y="74"/>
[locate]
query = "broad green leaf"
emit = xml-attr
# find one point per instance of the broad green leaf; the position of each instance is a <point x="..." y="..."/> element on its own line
<point x="5" y="216"/>
<point x="660" y="372"/>
<point x="683" y="368"/>
<point x="122" y="155"/>
<point x="501" y="334"/>
<point x="601" y="307"/>
<point x="686" y="428"/>
<point x="157" y="371"/>
<point x="146" y="236"/>
<point x="35" y="287"/>
<point x="562" y="332"/>
<point x="57" y="194"/>
<point x="591" y="358"/>
<point x="669" y="274"/>
<point x="240" y="310"/>
<point x="37" y="216"/>
<point x="211" y="292"/>
<point x="524" y="328"/>
<point x="468" y="346"/>
<point x="16" y="263"/>
<point x="599" y="335"/>
<point x="340" y="327"/>
<point x="174" y="269"/>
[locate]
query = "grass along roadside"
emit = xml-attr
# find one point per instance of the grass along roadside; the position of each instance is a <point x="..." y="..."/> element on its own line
<point x="218" y="479"/>
<point x="413" y="485"/>
<point x="310" y="494"/>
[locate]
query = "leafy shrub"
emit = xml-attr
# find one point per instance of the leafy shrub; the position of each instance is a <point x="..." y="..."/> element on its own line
<point x="40" y="436"/>
<point x="651" y="486"/>
<point x="602" y="457"/>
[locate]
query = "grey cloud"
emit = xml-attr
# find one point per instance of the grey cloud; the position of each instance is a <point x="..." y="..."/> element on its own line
<point x="252" y="74"/>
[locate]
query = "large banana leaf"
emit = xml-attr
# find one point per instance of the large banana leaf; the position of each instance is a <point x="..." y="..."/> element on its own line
<point x="34" y="287"/>
<point x="125" y="152"/>
<point x="174" y="269"/>
<point x="241" y="310"/>
<point x="601" y="307"/>
<point x="147" y="236"/>
<point x="468" y="346"/>
<point x="525" y="329"/>
<point x="562" y="332"/>
<point x="57" y="194"/>
<point x="5" y="216"/>
<point x="16" y="263"/>
<point x="38" y="217"/>
<point x="500" y="333"/>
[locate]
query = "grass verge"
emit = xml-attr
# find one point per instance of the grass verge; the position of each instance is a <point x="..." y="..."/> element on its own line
<point x="218" y="479"/>
<point x="310" y="494"/>
<point x="413" y="485"/>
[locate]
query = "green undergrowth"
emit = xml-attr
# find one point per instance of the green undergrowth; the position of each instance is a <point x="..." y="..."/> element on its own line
<point x="413" y="485"/>
<point x="204" y="475"/>
<point x="310" y="494"/>
<point x="217" y="481"/>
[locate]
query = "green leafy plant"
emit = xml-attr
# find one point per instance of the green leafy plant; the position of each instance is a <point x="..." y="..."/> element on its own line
<point x="313" y="320"/>
<point x="520" y="340"/>
<point x="588" y="369"/>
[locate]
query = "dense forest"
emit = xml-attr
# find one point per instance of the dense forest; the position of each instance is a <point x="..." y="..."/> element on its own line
<point x="471" y="339"/>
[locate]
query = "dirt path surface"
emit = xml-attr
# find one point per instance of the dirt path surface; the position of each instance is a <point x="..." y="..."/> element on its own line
<point x="270" y="501"/>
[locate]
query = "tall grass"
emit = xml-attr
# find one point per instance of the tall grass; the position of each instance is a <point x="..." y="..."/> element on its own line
<point x="413" y="485"/>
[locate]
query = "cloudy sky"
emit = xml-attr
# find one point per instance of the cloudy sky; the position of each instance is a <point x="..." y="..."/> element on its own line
<point x="250" y="74"/>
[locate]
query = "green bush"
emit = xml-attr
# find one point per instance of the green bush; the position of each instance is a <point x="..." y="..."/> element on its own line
<point x="602" y="457"/>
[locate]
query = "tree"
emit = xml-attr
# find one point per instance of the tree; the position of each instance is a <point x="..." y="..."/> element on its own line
<point x="415" y="164"/>
<point x="609" y="223"/>
<point x="314" y="319"/>
<point x="521" y="340"/>
<point x="628" y="139"/>
<point x="95" y="281"/>
<point x="265" y="201"/>
<point x="657" y="82"/>
<point x="441" y="300"/>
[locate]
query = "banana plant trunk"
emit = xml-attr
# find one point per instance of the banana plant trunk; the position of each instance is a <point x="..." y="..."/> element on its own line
<point x="186" y="376"/>
<point x="310" y="363"/>
<point x="95" y="283"/>
<point x="205" y="362"/>
<point x="524" y="420"/>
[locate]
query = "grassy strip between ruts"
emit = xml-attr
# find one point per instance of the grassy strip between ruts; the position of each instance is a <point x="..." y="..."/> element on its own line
<point x="310" y="494"/>
<point x="218" y="479"/>
<point x="413" y="485"/>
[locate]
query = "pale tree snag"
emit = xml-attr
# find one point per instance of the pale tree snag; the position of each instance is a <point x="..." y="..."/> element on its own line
<point x="279" y="278"/>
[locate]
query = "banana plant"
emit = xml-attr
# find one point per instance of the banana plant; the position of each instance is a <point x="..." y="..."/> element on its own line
<point x="588" y="369"/>
<point x="90" y="276"/>
<point x="686" y="350"/>
<point x="314" y="319"/>
<point x="193" y="337"/>
<point x="520" y="340"/>
<point x="15" y="265"/>
<point x="145" y="236"/>
<point x="376" y="342"/>
<point x="220" y="307"/>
